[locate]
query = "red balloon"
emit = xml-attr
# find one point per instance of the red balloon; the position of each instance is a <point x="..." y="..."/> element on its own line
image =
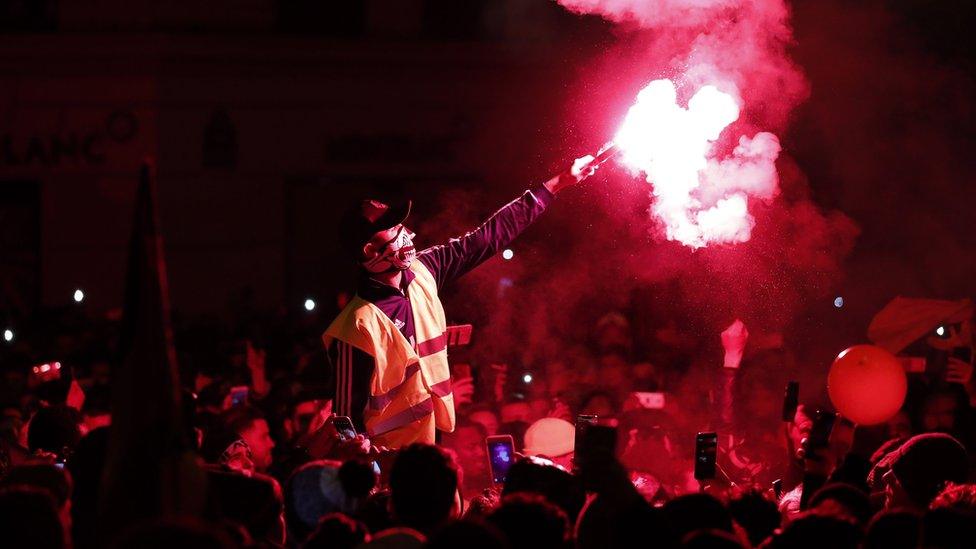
<point x="867" y="384"/>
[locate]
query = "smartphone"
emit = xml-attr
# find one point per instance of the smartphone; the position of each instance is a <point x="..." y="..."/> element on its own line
<point x="501" y="455"/>
<point x="791" y="400"/>
<point x="778" y="488"/>
<point x="819" y="436"/>
<point x="583" y="421"/>
<point x="706" y="450"/>
<point x="650" y="401"/>
<point x="595" y="445"/>
<point x="238" y="395"/>
<point x="458" y="335"/>
<point x="344" y="427"/>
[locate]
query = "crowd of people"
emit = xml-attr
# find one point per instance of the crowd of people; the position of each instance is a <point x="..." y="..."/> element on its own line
<point x="257" y="401"/>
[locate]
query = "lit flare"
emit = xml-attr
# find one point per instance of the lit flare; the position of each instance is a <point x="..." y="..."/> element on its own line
<point x="698" y="199"/>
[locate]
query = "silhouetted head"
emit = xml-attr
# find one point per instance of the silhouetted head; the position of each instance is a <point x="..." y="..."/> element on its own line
<point x="29" y="517"/>
<point x="54" y="429"/>
<point x="337" y="531"/>
<point x="529" y="521"/>
<point x="815" y="531"/>
<point x="898" y="529"/>
<point x="423" y="487"/>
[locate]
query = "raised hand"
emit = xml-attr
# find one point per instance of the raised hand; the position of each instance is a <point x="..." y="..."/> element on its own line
<point x="734" y="340"/>
<point x="582" y="167"/>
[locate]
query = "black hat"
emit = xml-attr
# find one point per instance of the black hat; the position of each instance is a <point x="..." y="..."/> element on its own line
<point x="367" y="218"/>
<point x="926" y="462"/>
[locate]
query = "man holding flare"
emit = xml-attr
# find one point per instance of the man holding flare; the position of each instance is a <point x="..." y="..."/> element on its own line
<point x="388" y="346"/>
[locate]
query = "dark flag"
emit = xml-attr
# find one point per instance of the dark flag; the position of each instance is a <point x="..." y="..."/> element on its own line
<point x="150" y="470"/>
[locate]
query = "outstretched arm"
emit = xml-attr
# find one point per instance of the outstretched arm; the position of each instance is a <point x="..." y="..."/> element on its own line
<point x="450" y="261"/>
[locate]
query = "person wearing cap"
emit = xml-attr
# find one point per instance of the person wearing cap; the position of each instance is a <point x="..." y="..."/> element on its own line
<point x="388" y="346"/>
<point x="920" y="468"/>
<point x="551" y="438"/>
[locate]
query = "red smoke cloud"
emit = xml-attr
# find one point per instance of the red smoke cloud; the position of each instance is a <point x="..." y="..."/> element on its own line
<point x="598" y="249"/>
<point x="738" y="48"/>
<point x="731" y="44"/>
<point x="699" y="198"/>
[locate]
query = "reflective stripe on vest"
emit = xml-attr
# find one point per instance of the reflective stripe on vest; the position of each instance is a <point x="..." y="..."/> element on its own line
<point x="441" y="389"/>
<point x="406" y="417"/>
<point x="432" y="346"/>
<point x="378" y="402"/>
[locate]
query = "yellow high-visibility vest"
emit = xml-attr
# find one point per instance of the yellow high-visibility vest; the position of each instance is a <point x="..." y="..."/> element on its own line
<point x="410" y="390"/>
